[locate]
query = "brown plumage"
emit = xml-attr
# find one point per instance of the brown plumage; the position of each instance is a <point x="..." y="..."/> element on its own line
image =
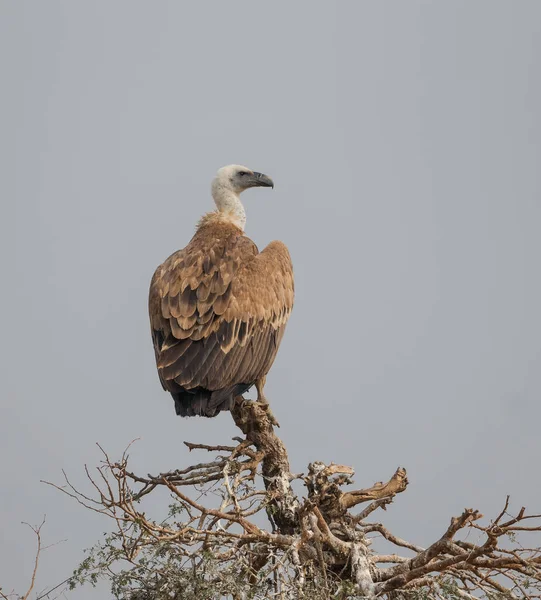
<point x="218" y="308"/>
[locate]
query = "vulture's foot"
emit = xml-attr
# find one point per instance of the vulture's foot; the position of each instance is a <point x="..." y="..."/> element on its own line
<point x="248" y="414"/>
<point x="264" y="405"/>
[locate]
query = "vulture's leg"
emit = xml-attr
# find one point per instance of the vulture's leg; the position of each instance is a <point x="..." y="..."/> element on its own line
<point x="261" y="399"/>
<point x="259" y="385"/>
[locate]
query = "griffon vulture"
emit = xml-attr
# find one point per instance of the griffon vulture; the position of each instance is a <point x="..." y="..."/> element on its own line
<point x="218" y="308"/>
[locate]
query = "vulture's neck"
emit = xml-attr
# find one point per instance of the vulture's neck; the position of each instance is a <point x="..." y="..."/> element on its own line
<point x="229" y="204"/>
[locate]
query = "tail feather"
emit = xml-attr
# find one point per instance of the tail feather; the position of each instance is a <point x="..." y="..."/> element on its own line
<point x="206" y="403"/>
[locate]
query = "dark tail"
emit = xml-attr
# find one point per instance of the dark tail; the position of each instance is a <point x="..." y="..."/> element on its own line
<point x="205" y="403"/>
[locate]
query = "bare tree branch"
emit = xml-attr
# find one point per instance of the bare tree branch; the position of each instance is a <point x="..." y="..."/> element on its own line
<point x="313" y="543"/>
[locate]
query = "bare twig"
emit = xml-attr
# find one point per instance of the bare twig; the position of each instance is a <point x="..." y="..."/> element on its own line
<point x="311" y="540"/>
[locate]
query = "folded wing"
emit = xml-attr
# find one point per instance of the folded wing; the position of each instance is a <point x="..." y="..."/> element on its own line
<point x="218" y="310"/>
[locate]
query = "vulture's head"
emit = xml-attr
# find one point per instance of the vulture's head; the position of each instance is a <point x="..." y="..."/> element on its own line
<point x="236" y="178"/>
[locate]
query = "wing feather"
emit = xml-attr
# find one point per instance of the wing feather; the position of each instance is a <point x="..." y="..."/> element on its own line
<point x="170" y="356"/>
<point x="221" y="308"/>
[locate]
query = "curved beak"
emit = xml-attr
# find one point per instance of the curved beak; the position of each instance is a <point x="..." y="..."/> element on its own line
<point x="261" y="180"/>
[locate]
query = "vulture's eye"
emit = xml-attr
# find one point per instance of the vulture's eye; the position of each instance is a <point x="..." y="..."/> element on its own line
<point x="243" y="173"/>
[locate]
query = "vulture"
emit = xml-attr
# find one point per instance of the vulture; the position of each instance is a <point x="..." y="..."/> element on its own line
<point x="219" y="307"/>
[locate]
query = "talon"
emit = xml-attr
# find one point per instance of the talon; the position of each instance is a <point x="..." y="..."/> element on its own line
<point x="273" y="420"/>
<point x="266" y="407"/>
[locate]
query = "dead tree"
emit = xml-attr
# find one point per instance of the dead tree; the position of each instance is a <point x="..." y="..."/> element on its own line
<point x="243" y="526"/>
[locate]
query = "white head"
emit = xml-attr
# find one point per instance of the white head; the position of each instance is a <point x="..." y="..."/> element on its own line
<point x="229" y="183"/>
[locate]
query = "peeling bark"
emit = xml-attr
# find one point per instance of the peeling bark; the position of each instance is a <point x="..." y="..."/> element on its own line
<point x="256" y="422"/>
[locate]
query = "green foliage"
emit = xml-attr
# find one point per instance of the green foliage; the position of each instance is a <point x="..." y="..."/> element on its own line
<point x="163" y="572"/>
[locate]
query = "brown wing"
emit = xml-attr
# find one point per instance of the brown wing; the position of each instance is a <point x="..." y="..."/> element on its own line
<point x="218" y="310"/>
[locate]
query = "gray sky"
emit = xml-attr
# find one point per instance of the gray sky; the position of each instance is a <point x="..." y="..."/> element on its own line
<point x="405" y="142"/>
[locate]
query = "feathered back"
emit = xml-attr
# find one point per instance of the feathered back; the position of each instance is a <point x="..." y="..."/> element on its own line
<point x="218" y="309"/>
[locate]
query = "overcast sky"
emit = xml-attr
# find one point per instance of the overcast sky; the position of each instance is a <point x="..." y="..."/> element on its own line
<point x="404" y="139"/>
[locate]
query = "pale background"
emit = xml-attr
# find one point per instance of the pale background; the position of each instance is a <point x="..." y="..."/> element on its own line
<point x="405" y="142"/>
